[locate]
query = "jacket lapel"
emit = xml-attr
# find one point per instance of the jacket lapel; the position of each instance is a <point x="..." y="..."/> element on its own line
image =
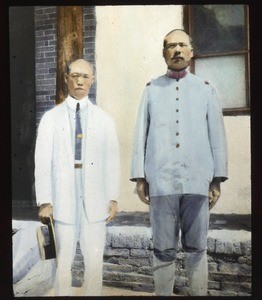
<point x="64" y="124"/>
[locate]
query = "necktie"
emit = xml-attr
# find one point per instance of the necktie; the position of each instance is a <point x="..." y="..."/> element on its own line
<point x="78" y="134"/>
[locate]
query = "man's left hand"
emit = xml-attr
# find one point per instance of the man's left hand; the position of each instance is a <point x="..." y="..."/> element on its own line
<point x="214" y="192"/>
<point x="112" y="209"/>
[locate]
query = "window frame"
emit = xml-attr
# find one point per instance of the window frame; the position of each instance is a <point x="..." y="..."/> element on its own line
<point x="187" y="23"/>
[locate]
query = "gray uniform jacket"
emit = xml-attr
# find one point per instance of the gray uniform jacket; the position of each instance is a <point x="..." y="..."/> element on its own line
<point x="179" y="139"/>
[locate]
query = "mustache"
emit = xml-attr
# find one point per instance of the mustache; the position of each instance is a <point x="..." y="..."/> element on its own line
<point x="175" y="56"/>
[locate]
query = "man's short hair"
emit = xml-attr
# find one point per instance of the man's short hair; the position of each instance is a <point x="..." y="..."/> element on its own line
<point x="164" y="42"/>
<point x="68" y="65"/>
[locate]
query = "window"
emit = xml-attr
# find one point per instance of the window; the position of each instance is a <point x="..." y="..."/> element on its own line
<point x="220" y="36"/>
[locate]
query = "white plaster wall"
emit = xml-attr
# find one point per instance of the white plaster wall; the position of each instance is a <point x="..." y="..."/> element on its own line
<point x="128" y="54"/>
<point x="236" y="191"/>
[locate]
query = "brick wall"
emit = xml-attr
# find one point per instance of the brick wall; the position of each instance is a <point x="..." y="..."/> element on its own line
<point x="45" y="54"/>
<point x="45" y="59"/>
<point x="89" y="34"/>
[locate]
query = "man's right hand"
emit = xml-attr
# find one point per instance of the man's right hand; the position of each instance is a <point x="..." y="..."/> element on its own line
<point x="45" y="213"/>
<point x="142" y="190"/>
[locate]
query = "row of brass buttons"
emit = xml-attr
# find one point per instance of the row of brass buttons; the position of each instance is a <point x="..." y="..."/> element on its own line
<point x="177" y="110"/>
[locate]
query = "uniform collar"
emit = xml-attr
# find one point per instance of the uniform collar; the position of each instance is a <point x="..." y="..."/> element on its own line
<point x="71" y="102"/>
<point x="176" y="74"/>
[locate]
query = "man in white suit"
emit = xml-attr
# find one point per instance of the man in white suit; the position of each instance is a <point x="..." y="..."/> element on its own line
<point x="77" y="190"/>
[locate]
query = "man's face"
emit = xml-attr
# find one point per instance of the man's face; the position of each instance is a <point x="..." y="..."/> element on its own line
<point x="80" y="79"/>
<point x="178" y="50"/>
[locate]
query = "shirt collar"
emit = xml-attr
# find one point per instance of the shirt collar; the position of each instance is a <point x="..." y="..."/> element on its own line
<point x="176" y="74"/>
<point x="71" y="102"/>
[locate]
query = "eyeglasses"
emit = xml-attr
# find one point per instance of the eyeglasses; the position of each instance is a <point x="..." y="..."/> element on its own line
<point x="77" y="76"/>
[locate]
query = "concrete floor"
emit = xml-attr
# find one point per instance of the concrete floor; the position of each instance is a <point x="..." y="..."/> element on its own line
<point x="110" y="291"/>
<point x="37" y="283"/>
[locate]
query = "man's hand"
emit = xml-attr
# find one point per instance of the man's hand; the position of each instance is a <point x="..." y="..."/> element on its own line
<point x="112" y="209"/>
<point x="214" y="192"/>
<point x="142" y="190"/>
<point x="45" y="213"/>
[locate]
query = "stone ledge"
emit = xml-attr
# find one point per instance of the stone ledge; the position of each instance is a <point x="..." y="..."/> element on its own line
<point x="128" y="255"/>
<point x="229" y="260"/>
<point x="228" y="242"/>
<point x="217" y="221"/>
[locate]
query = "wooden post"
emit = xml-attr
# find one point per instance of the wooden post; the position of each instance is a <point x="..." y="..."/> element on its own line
<point x="69" y="43"/>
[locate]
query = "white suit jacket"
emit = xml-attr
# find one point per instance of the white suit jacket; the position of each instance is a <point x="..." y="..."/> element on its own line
<point x="54" y="164"/>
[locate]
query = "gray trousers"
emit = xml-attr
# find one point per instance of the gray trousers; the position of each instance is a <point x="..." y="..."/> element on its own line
<point x="170" y="215"/>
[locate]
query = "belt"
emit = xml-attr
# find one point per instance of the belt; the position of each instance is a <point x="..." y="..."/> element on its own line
<point x="78" y="166"/>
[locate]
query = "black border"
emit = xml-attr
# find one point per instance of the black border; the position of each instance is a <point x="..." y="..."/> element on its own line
<point x="6" y="290"/>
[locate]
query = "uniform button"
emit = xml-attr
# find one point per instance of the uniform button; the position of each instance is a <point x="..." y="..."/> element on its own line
<point x="177" y="121"/>
<point x="177" y="110"/>
<point x="177" y="99"/>
<point x="177" y="88"/>
<point x="177" y="133"/>
<point x="177" y="145"/>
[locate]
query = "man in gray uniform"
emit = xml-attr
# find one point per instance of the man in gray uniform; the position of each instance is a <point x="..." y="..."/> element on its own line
<point x="179" y="159"/>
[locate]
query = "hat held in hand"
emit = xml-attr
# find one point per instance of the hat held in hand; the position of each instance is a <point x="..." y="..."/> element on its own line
<point x="46" y="241"/>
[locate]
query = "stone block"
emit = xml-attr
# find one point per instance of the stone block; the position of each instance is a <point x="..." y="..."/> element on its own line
<point x="214" y="285"/>
<point x="228" y="247"/>
<point x="246" y="248"/>
<point x="245" y="260"/>
<point x="111" y="260"/>
<point x="140" y="253"/>
<point x="78" y="264"/>
<point x="112" y="276"/>
<point x="138" y="262"/>
<point x="181" y="290"/>
<point x="126" y="241"/>
<point x="117" y="268"/>
<point x="147" y="243"/>
<point x="212" y="267"/>
<point x="245" y="279"/>
<point x="216" y="293"/>
<point x="221" y="277"/>
<point x="180" y="255"/>
<point x="130" y="285"/>
<point x="117" y="284"/>
<point x="143" y="287"/>
<point x="236" y="287"/>
<point x="116" y="252"/>
<point x="180" y="272"/>
<point x="108" y="240"/>
<point x="137" y="278"/>
<point x="211" y="244"/>
<point x="181" y="281"/>
<point x="145" y="270"/>
<point x="234" y="268"/>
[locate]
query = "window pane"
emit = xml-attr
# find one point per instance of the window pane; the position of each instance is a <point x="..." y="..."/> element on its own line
<point x="218" y="28"/>
<point x="227" y="75"/>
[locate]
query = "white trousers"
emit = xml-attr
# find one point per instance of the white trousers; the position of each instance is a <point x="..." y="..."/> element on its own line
<point x="92" y="242"/>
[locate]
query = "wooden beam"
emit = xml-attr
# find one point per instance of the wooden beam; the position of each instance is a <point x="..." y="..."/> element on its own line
<point x="69" y="43"/>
